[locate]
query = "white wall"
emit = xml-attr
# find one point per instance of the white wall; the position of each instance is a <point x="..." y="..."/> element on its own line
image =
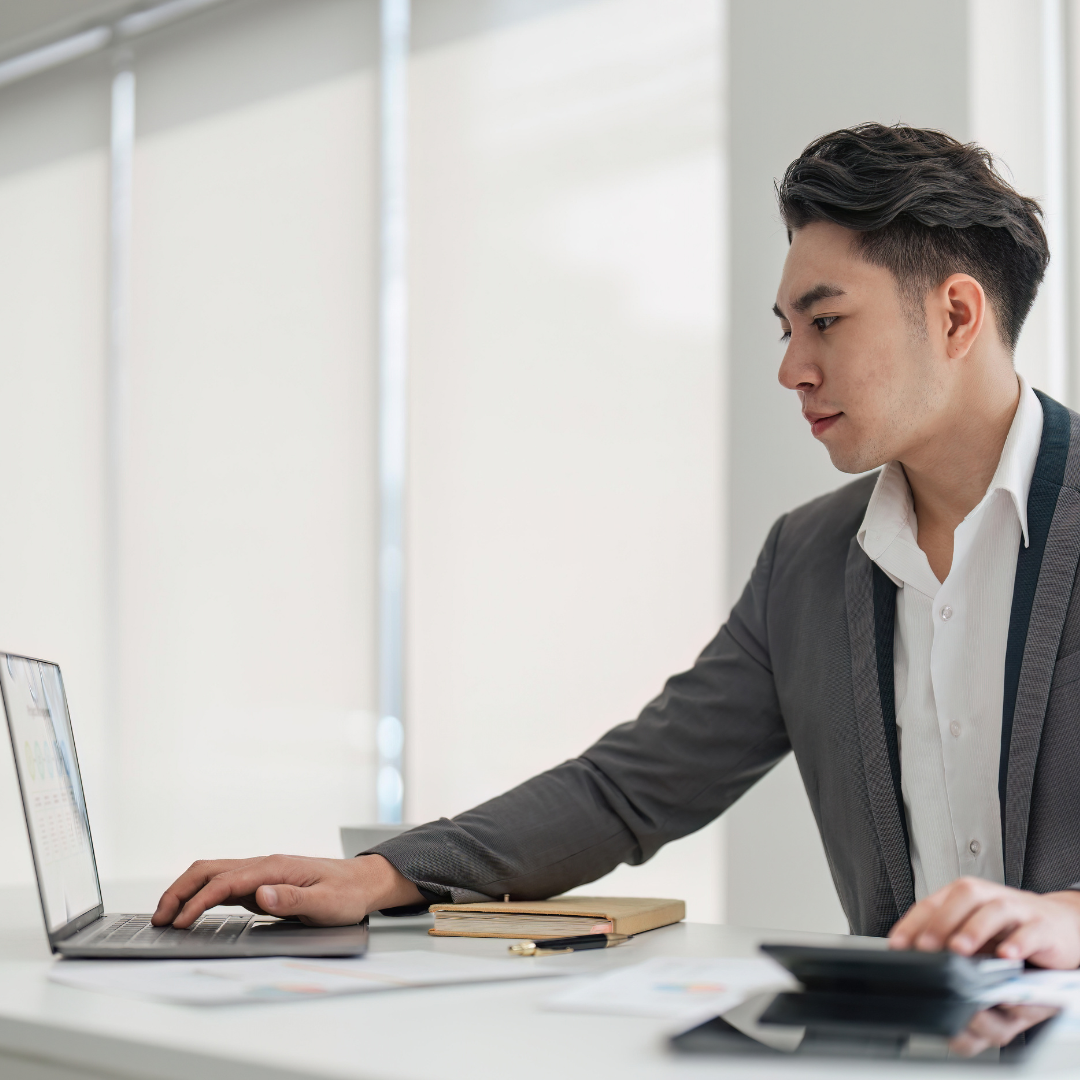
<point x="566" y="501"/>
<point x="247" y="673"/>
<point x="247" y="559"/>
<point x="52" y="203"/>
<point x="1009" y="117"/>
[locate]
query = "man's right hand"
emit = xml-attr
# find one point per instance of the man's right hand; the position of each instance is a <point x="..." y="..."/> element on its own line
<point x="319" y="892"/>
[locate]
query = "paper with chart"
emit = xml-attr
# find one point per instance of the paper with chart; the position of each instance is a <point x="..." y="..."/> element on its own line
<point x="674" y="987"/>
<point x="1040" y="988"/>
<point x="223" y="982"/>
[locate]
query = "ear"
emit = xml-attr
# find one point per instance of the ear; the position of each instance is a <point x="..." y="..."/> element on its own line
<point x="962" y="311"/>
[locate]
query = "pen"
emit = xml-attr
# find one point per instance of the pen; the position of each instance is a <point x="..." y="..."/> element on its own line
<point x="568" y="944"/>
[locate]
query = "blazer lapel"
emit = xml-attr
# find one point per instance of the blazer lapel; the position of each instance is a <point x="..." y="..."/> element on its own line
<point x="871" y="608"/>
<point x="1045" y="571"/>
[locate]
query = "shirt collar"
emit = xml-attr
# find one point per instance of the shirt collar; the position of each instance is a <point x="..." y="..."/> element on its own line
<point x="889" y="525"/>
<point x="888" y="533"/>
<point x="888" y="513"/>
<point x="1019" y="454"/>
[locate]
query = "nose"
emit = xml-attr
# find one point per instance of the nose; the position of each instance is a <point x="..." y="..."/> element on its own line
<point x="798" y="371"/>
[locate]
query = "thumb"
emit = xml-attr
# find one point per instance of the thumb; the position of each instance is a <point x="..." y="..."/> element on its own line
<point x="312" y="904"/>
<point x="281" y="900"/>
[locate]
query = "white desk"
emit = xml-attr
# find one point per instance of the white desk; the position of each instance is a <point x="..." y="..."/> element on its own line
<point x="489" y="1032"/>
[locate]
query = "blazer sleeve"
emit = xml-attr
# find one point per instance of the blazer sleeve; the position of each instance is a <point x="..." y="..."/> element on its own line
<point x="712" y="732"/>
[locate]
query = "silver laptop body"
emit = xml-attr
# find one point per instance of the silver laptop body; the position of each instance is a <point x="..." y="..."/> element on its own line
<point x="67" y="876"/>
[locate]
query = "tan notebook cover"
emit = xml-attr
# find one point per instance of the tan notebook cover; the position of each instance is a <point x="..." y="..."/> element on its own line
<point x="627" y="914"/>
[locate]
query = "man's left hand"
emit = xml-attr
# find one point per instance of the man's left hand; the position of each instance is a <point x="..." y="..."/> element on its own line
<point x="975" y="916"/>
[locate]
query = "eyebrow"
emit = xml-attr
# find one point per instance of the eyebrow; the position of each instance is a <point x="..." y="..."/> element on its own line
<point x="812" y="296"/>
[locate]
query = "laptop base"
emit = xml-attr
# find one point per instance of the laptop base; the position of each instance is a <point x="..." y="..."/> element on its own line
<point x="131" y="937"/>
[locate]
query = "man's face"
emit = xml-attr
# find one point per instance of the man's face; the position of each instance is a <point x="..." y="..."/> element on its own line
<point x="862" y="364"/>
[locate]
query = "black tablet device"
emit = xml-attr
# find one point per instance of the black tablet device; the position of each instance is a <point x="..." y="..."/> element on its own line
<point x="892" y="972"/>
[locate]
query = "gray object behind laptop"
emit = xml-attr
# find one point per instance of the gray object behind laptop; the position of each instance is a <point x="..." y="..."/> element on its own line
<point x="357" y="838"/>
<point x="56" y="819"/>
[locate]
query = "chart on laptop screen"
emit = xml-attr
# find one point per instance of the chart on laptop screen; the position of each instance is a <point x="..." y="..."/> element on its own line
<point x="52" y="789"/>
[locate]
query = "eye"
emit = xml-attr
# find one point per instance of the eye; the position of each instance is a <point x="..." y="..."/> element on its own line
<point x="785" y="337"/>
<point x="823" y="322"/>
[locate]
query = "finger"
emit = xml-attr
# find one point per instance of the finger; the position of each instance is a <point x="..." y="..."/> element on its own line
<point x="219" y="890"/>
<point x="967" y="1045"/>
<point x="1050" y="937"/>
<point x="998" y="1026"/>
<point x="959" y="903"/>
<point x="1033" y="940"/>
<point x="988" y="921"/>
<point x="1010" y="1028"/>
<point x="1001" y="1024"/>
<point x="251" y="905"/>
<point x="918" y="915"/>
<point x="247" y="902"/>
<point x="320" y="904"/>
<point x="191" y="880"/>
<point x="984" y="1030"/>
<point x="188" y="884"/>
<point x="991" y="1024"/>
<point x="232" y="885"/>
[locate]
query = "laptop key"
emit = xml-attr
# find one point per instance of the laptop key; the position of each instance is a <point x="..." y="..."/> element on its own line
<point x="138" y="932"/>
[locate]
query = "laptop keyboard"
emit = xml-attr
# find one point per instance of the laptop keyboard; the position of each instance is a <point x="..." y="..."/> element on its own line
<point x="135" y="932"/>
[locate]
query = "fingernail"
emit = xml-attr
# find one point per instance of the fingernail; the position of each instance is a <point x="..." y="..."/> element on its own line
<point x="269" y="896"/>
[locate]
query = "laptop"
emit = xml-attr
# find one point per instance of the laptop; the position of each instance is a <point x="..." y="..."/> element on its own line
<point x="67" y="875"/>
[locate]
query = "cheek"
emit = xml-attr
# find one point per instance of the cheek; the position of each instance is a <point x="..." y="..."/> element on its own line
<point x="878" y="381"/>
<point x="875" y="391"/>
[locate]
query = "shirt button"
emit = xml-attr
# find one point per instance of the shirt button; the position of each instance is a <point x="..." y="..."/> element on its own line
<point x="974" y="847"/>
<point x="946" y="613"/>
<point x="954" y="727"/>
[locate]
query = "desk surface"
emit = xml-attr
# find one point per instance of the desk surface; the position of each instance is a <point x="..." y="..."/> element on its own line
<point x="492" y="1031"/>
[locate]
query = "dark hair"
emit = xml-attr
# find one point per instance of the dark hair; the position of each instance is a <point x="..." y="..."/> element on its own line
<point x="926" y="206"/>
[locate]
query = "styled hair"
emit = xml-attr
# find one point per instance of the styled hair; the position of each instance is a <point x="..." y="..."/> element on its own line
<point x="924" y="206"/>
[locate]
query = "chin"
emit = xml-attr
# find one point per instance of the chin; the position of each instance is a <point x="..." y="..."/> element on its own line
<point x="855" y="459"/>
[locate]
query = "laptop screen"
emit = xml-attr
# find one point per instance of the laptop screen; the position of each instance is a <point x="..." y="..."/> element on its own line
<point x="51" y="788"/>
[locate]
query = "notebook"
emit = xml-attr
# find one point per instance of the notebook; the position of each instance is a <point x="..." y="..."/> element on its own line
<point x="562" y="916"/>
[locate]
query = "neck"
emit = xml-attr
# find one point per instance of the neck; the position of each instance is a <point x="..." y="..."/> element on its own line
<point x="951" y="469"/>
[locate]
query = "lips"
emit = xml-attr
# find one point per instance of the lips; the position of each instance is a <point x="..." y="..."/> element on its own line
<point x="821" y="422"/>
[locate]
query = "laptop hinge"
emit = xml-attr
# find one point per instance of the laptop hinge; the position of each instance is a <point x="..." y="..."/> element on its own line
<point x="76" y="924"/>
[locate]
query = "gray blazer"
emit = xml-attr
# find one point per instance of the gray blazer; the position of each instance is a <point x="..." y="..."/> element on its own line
<point x="804" y="664"/>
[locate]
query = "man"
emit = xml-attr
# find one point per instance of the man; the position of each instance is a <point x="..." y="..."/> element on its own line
<point x="912" y="637"/>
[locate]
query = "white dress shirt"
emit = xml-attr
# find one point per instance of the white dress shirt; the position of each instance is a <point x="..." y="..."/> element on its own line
<point x="949" y="658"/>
